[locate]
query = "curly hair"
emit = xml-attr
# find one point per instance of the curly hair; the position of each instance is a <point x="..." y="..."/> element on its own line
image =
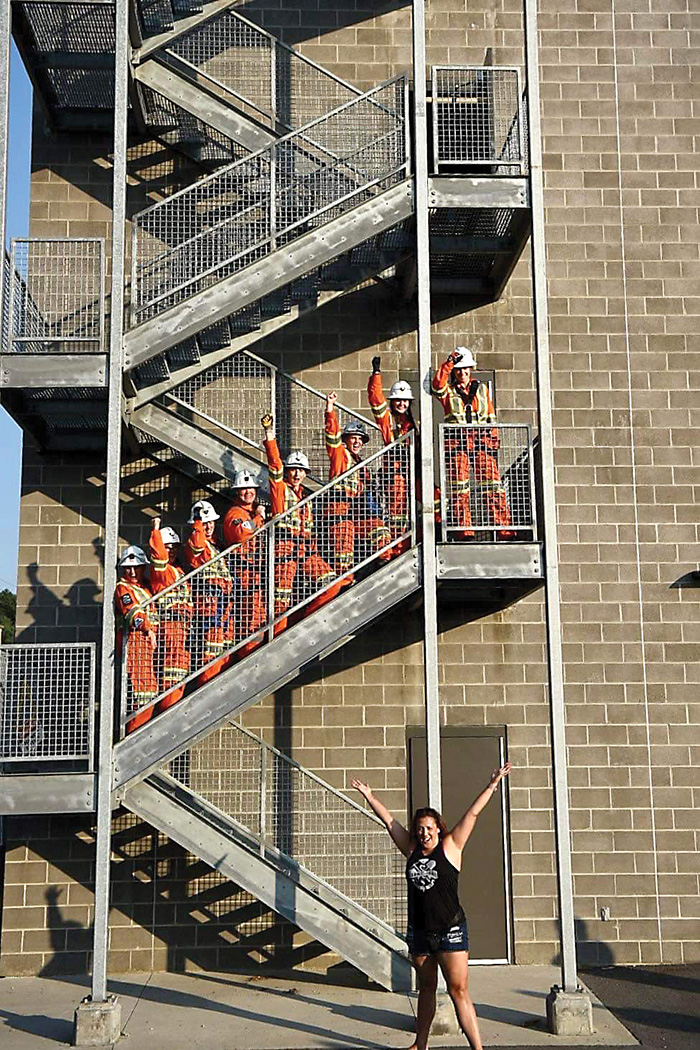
<point x="428" y="811"/>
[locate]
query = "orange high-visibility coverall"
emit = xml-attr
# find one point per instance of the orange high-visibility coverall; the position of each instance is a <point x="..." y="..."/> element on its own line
<point x="175" y="611"/>
<point x="397" y="479"/>
<point x="294" y="545"/>
<point x="248" y="568"/>
<point x="211" y="592"/>
<point x="348" y="511"/>
<point x="135" y="624"/>
<point x="478" y="453"/>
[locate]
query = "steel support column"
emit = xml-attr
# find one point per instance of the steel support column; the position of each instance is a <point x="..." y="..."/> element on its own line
<point x="5" y="31"/>
<point x="552" y="596"/>
<point x="427" y="470"/>
<point x="111" y="534"/>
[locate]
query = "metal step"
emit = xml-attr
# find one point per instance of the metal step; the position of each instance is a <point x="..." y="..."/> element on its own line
<point x="287" y="889"/>
<point x="258" y="675"/>
<point x="260" y="279"/>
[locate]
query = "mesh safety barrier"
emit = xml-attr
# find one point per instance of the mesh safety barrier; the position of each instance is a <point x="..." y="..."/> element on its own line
<point x="477" y="119"/>
<point x="291" y="810"/>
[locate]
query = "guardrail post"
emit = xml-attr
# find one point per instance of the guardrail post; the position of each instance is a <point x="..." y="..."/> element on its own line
<point x="263" y="797"/>
<point x="6" y="29"/>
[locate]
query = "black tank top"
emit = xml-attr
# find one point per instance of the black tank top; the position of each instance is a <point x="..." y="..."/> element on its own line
<point x="433" y="901"/>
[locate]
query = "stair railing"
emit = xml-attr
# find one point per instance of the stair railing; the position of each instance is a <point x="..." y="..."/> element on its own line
<point x="298" y="819"/>
<point x="248" y="593"/>
<point x="227" y="397"/>
<point x="242" y="213"/>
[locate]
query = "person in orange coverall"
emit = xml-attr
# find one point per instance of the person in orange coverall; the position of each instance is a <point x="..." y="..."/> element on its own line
<point x="175" y="611"/>
<point x="466" y="400"/>
<point x="395" y="419"/>
<point x="137" y="629"/>
<point x="295" y="547"/>
<point x="211" y="591"/>
<point x="248" y="561"/>
<point x="351" y="509"/>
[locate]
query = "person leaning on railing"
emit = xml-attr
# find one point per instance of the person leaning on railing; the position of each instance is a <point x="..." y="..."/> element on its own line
<point x="242" y="521"/>
<point x="175" y="610"/>
<point x="211" y="591"/>
<point x="295" y="544"/>
<point x="136" y="629"/>
<point x="395" y="419"/>
<point x="352" y="512"/>
<point x="467" y="401"/>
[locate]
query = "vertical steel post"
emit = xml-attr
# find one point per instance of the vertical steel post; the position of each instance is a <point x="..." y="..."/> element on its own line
<point x="111" y="534"/>
<point x="427" y="470"/>
<point x="5" y="31"/>
<point x="549" y="524"/>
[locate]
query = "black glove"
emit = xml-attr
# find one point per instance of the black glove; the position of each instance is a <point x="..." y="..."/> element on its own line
<point x="376" y="364"/>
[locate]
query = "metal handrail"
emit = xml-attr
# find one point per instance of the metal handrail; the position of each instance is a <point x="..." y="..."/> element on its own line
<point x="270" y="529"/>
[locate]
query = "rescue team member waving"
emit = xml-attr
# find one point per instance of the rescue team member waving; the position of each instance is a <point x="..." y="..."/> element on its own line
<point x="130" y="592"/>
<point x="352" y="512"/>
<point x="437" y="926"/>
<point x="248" y="562"/>
<point x="211" y="591"/>
<point x="394" y="419"/>
<point x="295" y="547"/>
<point x="175" y="611"/>
<point x="466" y="400"/>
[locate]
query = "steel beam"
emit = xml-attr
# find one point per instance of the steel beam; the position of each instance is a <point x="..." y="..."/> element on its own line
<point x="489" y="561"/>
<point x="486" y="192"/>
<point x="41" y="371"/>
<point x="274" y="879"/>
<point x="5" y="35"/>
<point x="47" y="793"/>
<point x="184" y="25"/>
<point x="276" y="270"/>
<point x="261" y="673"/>
<point x="549" y="511"/>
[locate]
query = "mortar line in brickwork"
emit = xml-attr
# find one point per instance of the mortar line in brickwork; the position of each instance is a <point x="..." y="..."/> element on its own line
<point x="633" y="459"/>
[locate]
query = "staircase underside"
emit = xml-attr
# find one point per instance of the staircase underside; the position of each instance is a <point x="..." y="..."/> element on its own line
<point x="272" y="878"/>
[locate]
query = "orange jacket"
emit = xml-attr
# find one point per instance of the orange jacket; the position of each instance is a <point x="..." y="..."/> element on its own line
<point x="341" y="457"/>
<point x="284" y="496"/>
<point x="200" y="551"/>
<point x="473" y="406"/>
<point x="163" y="574"/>
<point x="240" y="524"/>
<point x="127" y="597"/>
<point x="391" y="426"/>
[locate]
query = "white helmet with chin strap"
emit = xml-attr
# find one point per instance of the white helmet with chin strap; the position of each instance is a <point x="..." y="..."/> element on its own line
<point x="297" y="460"/>
<point x="243" y="479"/>
<point x="169" y="535"/>
<point x="465" y="359"/>
<point x="401" y="391"/>
<point x="202" y="510"/>
<point x="132" y="557"/>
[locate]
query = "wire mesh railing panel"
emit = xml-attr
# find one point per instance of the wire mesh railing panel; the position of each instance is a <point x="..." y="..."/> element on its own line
<point x="486" y="481"/>
<point x="225" y="222"/>
<point x="237" y="599"/>
<point x="268" y="78"/>
<point x="47" y="699"/>
<point x="57" y="295"/>
<point x="234" y="392"/>
<point x="477" y="118"/>
<point x="226" y="770"/>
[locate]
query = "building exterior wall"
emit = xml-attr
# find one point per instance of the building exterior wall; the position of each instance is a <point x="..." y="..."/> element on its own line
<point x="619" y="90"/>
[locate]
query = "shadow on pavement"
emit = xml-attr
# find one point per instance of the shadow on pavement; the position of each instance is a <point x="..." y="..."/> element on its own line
<point x="60" y="1031"/>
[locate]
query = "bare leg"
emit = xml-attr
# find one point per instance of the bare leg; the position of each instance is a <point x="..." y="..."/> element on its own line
<point x="426" y="970"/>
<point x="455" y="967"/>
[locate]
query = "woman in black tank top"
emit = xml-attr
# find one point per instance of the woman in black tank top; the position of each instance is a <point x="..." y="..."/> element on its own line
<point x="437" y="927"/>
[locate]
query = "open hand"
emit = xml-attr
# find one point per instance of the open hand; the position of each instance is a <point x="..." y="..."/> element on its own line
<point x="360" y="786"/>
<point x="499" y="773"/>
<point x="330" y="401"/>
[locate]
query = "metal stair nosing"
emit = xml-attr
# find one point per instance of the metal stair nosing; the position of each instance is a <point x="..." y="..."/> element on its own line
<point x="200" y="103"/>
<point x="281" y="267"/>
<point x="291" y="892"/>
<point x="264" y="671"/>
<point x="192" y="442"/>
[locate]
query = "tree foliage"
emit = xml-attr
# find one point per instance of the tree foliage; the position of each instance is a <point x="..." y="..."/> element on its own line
<point x="8" y="611"/>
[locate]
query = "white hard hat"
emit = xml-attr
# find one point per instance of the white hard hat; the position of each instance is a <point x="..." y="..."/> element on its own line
<point x="401" y="391"/>
<point x="132" y="557"/>
<point x="466" y="357"/>
<point x="297" y="459"/>
<point x="169" y="535"/>
<point x="243" y="479"/>
<point x="203" y="511"/>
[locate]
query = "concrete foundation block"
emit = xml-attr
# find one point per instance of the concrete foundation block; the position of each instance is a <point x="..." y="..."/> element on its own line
<point x="97" y="1024"/>
<point x="445" y="1020"/>
<point x="569" y="1013"/>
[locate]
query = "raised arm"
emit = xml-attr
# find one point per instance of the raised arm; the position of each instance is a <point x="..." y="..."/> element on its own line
<point x="455" y="840"/>
<point x="397" y="831"/>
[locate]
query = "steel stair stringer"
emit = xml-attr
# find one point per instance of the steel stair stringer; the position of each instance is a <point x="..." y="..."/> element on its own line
<point x="310" y="251"/>
<point x="274" y="879"/>
<point x="263" y="672"/>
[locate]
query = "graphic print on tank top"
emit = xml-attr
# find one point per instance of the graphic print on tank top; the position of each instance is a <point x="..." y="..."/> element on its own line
<point x="423" y="874"/>
<point x="433" y="901"/>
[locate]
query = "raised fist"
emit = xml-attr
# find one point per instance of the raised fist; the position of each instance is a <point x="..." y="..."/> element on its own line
<point x="155" y="524"/>
<point x="376" y="364"/>
<point x="266" y="420"/>
<point x="454" y="357"/>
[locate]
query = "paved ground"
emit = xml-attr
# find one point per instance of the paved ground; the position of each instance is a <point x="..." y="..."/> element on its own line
<point x="659" y="1004"/>
<point x="230" y="1012"/>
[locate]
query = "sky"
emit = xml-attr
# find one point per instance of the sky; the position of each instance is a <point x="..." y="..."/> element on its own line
<point x="17" y="226"/>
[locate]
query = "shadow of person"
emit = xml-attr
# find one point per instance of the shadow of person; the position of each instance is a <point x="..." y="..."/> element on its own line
<point x="44" y="607"/>
<point x="67" y="936"/>
<point x="57" y="1029"/>
<point x="590" y="952"/>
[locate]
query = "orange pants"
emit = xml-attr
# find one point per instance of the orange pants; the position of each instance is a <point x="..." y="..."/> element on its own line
<point x="251" y="615"/>
<point x="172" y="659"/>
<point x="212" y="618"/>
<point x="344" y="531"/>
<point x="291" y="556"/>
<point x="141" y="677"/>
<point x="490" y="499"/>
<point x="397" y="491"/>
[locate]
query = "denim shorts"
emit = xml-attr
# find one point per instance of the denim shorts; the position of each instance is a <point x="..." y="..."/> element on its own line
<point x="423" y="942"/>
